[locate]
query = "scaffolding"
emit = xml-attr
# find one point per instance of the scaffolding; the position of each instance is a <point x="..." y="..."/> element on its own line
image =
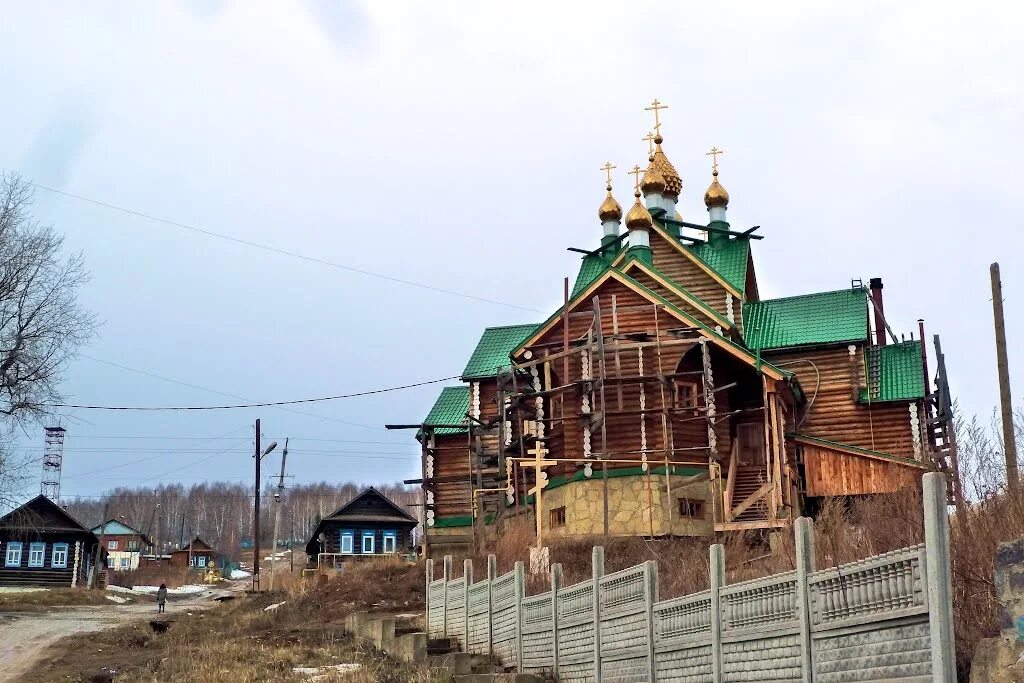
<point x="53" y="461"/>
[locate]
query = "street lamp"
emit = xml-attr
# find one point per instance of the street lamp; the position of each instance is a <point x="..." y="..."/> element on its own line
<point x="258" y="456"/>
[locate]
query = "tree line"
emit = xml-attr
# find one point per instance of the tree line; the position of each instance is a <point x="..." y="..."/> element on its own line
<point x="221" y="513"/>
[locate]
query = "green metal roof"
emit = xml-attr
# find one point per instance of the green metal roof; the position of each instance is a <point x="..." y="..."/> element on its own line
<point x="822" y="318"/>
<point x="115" y="528"/>
<point x="493" y="348"/>
<point x="728" y="259"/>
<point x="450" y="408"/>
<point x="590" y="269"/>
<point x="895" y="372"/>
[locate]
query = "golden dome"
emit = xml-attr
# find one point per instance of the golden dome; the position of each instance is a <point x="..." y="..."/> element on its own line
<point x="609" y="209"/>
<point x="673" y="182"/>
<point x="716" y="194"/>
<point x="638" y="217"/>
<point x="652" y="181"/>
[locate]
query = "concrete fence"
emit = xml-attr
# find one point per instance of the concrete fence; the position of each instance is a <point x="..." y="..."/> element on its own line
<point x="885" y="618"/>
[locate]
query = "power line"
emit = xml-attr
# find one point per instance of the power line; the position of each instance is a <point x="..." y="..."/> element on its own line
<point x="222" y="393"/>
<point x="283" y="252"/>
<point x="252" y="405"/>
<point x="161" y="437"/>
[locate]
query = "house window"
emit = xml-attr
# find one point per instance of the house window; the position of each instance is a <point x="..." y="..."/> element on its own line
<point x="59" y="557"/>
<point x="347" y="539"/>
<point x="13" y="557"/>
<point x="367" y="542"/>
<point x="558" y="517"/>
<point x="687" y="396"/>
<point x="36" y="554"/>
<point x="202" y="560"/>
<point x="133" y="544"/>
<point x="111" y="545"/>
<point x="124" y="563"/>
<point x="390" y="542"/>
<point x="691" y="508"/>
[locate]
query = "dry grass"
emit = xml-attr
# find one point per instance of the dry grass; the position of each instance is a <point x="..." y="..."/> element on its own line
<point x="42" y="601"/>
<point x="154" y="576"/>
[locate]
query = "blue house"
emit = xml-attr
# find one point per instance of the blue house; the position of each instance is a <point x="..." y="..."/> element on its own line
<point x="368" y="525"/>
<point x="42" y="545"/>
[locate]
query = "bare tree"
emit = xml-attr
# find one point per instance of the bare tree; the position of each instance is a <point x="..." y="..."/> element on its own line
<point x="42" y="323"/>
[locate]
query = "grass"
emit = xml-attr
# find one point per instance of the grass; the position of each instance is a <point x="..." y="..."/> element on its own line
<point x="45" y="600"/>
<point x="240" y="641"/>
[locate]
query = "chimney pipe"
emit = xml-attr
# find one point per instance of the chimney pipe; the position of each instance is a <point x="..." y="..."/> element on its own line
<point x="879" y="317"/>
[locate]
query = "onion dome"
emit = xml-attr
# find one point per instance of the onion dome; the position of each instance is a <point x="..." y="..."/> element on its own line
<point x="638" y="217"/>
<point x="716" y="194"/>
<point x="653" y="180"/>
<point x="673" y="182"/>
<point x="609" y="209"/>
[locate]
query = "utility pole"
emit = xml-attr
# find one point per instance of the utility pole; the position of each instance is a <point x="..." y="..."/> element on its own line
<point x="291" y="533"/>
<point x="1003" y="367"/>
<point x="277" y="515"/>
<point x="256" y="510"/>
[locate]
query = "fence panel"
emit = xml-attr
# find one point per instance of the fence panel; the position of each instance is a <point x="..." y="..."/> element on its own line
<point x="479" y="618"/>
<point x="625" y="629"/>
<point x="869" y="620"/>
<point x="455" y="613"/>
<point x="506" y="592"/>
<point x="761" y="630"/>
<point x="576" y="633"/>
<point x="435" y="608"/>
<point x="682" y="639"/>
<point x="538" y="634"/>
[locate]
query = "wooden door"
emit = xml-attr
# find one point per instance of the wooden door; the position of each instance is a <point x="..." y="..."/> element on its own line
<point x="751" y="439"/>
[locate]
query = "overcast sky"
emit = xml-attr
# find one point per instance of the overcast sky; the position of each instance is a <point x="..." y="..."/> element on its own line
<point x="457" y="145"/>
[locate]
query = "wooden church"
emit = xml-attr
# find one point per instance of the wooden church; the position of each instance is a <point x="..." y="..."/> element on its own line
<point x="667" y="398"/>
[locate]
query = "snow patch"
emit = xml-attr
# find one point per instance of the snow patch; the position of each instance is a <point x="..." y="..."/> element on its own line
<point x="18" y="589"/>
<point x="271" y="608"/>
<point x="114" y="598"/>
<point x="149" y="590"/>
<point x="237" y="574"/>
<point x="320" y="673"/>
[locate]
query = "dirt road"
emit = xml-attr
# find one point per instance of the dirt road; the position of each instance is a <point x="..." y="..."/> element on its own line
<point x="25" y="636"/>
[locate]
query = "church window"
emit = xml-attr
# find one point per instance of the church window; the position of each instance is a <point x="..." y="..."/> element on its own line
<point x="691" y="508"/>
<point x="687" y="395"/>
<point x="558" y="517"/>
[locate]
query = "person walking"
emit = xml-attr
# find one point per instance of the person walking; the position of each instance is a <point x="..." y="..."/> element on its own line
<point x="161" y="597"/>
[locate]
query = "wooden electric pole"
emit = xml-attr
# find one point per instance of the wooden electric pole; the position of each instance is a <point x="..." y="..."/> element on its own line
<point x="99" y="554"/>
<point x="256" y="516"/>
<point x="278" y="501"/>
<point x="1003" y="367"/>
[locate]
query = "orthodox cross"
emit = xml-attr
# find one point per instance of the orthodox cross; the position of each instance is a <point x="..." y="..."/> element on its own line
<point x="714" y="157"/>
<point x="649" y="139"/>
<point x="541" y="478"/>
<point x="607" y="168"/>
<point x="636" y="177"/>
<point x="656" y="106"/>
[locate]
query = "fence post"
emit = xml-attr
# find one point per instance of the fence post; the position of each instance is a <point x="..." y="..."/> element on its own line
<point x="598" y="572"/>
<point x="430" y="580"/>
<point x="804" y="566"/>
<point x="467" y="574"/>
<point x="651" y="597"/>
<point x="556" y="584"/>
<point x="937" y="569"/>
<point x="520" y="594"/>
<point x="717" y="582"/>
<point x="447" y="569"/>
<point x="492" y="573"/>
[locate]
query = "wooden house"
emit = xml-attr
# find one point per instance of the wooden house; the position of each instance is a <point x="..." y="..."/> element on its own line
<point x="369" y="525"/>
<point x="666" y="397"/>
<point x="124" y="545"/>
<point x="196" y="555"/>
<point x="42" y="545"/>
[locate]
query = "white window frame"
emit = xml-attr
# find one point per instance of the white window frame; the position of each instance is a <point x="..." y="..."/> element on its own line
<point x="201" y="561"/>
<point x="371" y="537"/>
<point x="351" y="538"/>
<point x="112" y="545"/>
<point x="393" y="538"/>
<point x="124" y="563"/>
<point x="59" y="556"/>
<point x="16" y="561"/>
<point x="36" y="555"/>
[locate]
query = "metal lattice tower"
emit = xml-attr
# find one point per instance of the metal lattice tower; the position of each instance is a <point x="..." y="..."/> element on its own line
<point x="53" y="458"/>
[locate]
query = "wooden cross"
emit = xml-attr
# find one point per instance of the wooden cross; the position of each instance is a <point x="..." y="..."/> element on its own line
<point x="607" y="168"/>
<point x="649" y="139"/>
<point x="541" y="480"/>
<point x="636" y="177"/>
<point x="714" y="157"/>
<point x="656" y="106"/>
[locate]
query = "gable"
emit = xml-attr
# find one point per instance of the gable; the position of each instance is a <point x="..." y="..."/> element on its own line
<point x="653" y="279"/>
<point x="41" y="514"/>
<point x="491" y="352"/>
<point x="450" y="408"/>
<point x="115" y="528"/>
<point x="820" y="318"/>
<point x="675" y="262"/>
<point x="368" y="507"/>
